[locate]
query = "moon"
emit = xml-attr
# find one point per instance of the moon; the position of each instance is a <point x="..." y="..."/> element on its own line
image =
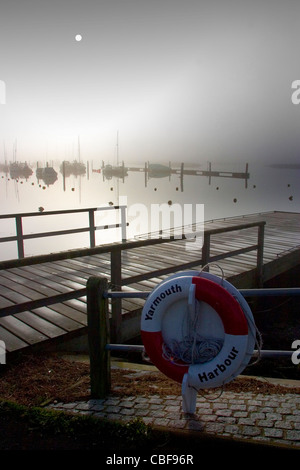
<point x="78" y="37"/>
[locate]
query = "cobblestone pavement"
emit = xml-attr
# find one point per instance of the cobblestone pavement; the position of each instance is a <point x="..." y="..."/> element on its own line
<point x="266" y="419"/>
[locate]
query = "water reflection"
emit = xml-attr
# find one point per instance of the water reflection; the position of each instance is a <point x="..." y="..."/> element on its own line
<point x="226" y="189"/>
<point x="16" y="170"/>
<point x="158" y="171"/>
<point x="48" y="175"/>
<point x="151" y="176"/>
<point x="109" y="171"/>
<point x="76" y="168"/>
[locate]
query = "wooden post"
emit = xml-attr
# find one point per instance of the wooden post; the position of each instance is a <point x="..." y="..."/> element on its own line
<point x="98" y="336"/>
<point x="260" y="254"/>
<point x="123" y="223"/>
<point x="209" y="170"/>
<point x="181" y="176"/>
<point x="92" y="228"/>
<point x="116" y="304"/>
<point x="146" y="174"/>
<point x="20" y="242"/>
<point x="206" y="250"/>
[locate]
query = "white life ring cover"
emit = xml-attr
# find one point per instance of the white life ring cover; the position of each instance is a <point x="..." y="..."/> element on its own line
<point x="236" y="350"/>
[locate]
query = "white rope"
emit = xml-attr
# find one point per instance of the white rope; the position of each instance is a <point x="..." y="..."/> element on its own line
<point x="208" y="265"/>
<point x="197" y="349"/>
<point x="193" y="349"/>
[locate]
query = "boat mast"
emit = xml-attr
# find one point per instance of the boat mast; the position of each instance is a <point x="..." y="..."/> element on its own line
<point x="80" y="172"/>
<point x="117" y="150"/>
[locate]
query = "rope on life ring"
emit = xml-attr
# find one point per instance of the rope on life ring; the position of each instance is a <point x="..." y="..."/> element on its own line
<point x="178" y="295"/>
<point x="254" y="335"/>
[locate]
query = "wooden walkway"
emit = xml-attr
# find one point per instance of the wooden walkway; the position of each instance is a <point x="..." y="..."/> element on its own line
<point x="142" y="268"/>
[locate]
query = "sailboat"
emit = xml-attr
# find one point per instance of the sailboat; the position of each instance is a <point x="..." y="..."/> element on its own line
<point x="119" y="171"/>
<point x="19" y="169"/>
<point x="157" y="170"/>
<point x="47" y="174"/>
<point x="76" y="167"/>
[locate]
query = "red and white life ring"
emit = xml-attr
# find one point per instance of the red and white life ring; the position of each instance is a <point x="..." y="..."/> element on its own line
<point x="170" y="299"/>
<point x="252" y="330"/>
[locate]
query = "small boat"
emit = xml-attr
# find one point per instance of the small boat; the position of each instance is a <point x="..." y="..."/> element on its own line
<point x="47" y="174"/>
<point x="19" y="170"/>
<point x="76" y="168"/>
<point x="118" y="171"/>
<point x="157" y="170"/>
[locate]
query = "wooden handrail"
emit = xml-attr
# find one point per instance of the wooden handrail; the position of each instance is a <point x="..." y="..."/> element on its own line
<point x="59" y="212"/>
<point x="116" y="266"/>
<point x="42" y="302"/>
<point x="107" y="248"/>
<point x="92" y="228"/>
<point x="117" y="281"/>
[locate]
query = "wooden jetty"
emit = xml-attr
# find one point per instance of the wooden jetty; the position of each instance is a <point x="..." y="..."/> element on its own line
<point x="157" y="170"/>
<point x="43" y="298"/>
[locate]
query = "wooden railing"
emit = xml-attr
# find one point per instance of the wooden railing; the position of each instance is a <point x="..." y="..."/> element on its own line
<point x="91" y="228"/>
<point x="117" y="280"/>
<point x="203" y="258"/>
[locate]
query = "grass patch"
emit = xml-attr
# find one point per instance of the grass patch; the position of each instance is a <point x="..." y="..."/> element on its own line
<point x="77" y="431"/>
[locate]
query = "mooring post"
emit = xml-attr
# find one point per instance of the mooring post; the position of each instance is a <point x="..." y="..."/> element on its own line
<point x="98" y="336"/>
<point x="116" y="304"/>
<point x="260" y="254"/>
<point x="206" y="251"/>
<point x="20" y="240"/>
<point x="92" y="228"/>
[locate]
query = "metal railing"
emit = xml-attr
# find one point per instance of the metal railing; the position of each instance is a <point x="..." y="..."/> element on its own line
<point x="20" y="236"/>
<point x="99" y="329"/>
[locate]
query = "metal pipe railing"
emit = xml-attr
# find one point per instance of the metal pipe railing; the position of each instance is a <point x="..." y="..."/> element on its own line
<point x="99" y="329"/>
<point x="270" y="292"/>
<point x="264" y="353"/>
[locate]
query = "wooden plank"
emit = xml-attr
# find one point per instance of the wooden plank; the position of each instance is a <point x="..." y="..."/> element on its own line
<point x="57" y="319"/>
<point x="12" y="296"/>
<point x="65" y="275"/>
<point x="282" y="264"/>
<point x="20" y="284"/>
<point x="22" y="330"/>
<point x="5" y="302"/>
<point x="45" y="327"/>
<point x="71" y="313"/>
<point x="87" y="266"/>
<point x="32" y="273"/>
<point x="34" y="292"/>
<point x="20" y="289"/>
<point x="77" y="304"/>
<point x="12" y="342"/>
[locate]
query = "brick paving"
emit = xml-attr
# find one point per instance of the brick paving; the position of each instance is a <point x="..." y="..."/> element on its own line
<point x="266" y="419"/>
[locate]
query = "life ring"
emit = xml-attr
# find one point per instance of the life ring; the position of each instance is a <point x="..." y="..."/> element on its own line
<point x="172" y="297"/>
<point x="252" y="331"/>
<point x="252" y="334"/>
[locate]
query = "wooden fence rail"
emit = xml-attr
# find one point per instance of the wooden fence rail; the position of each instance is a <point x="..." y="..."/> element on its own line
<point x="204" y="257"/>
<point x="201" y="258"/>
<point x="91" y="228"/>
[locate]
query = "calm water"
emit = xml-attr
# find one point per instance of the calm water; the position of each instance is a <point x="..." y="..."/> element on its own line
<point x="268" y="188"/>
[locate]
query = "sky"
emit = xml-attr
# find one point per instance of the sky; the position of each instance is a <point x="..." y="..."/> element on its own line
<point x="176" y="80"/>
